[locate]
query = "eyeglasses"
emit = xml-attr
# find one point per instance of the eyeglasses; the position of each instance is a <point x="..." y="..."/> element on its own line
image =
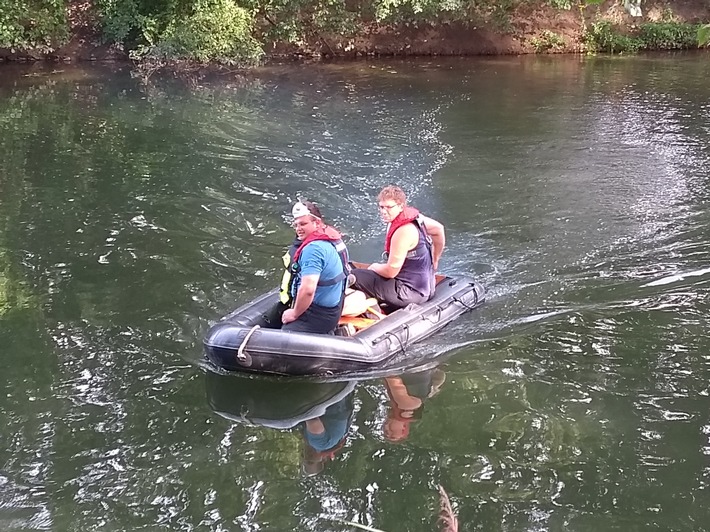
<point x="302" y="223"/>
<point x="387" y="207"/>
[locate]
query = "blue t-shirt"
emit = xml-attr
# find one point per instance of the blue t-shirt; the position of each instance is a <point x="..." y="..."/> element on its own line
<point x="336" y="422"/>
<point x="319" y="257"/>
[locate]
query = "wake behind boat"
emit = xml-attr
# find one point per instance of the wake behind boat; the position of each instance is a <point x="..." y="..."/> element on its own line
<point x="245" y="341"/>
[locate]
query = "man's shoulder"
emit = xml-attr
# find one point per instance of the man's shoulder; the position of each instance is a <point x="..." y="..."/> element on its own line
<point x="431" y="223"/>
<point x="319" y="247"/>
<point x="322" y="244"/>
<point x="407" y="232"/>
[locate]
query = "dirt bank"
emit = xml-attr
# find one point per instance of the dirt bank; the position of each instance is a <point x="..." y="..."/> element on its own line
<point x="527" y="29"/>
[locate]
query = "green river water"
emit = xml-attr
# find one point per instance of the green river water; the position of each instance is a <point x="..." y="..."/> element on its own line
<point x="132" y="217"/>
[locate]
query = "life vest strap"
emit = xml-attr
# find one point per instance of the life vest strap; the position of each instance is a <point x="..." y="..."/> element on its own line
<point x="334" y="280"/>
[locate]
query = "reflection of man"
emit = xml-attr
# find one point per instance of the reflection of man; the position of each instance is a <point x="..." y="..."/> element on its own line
<point x="407" y="393"/>
<point x="325" y="435"/>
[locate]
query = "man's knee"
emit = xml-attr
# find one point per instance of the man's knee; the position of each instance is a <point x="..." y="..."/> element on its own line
<point x="367" y="281"/>
<point x="360" y="276"/>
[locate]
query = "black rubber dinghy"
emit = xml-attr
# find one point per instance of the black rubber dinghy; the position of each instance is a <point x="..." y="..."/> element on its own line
<point x="242" y="341"/>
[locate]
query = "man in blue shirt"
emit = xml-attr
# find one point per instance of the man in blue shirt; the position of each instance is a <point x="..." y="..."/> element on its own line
<point x="318" y="267"/>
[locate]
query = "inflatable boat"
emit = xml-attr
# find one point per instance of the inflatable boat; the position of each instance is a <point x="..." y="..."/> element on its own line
<point x="246" y="341"/>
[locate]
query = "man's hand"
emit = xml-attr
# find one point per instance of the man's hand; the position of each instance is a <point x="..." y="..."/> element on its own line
<point x="304" y="298"/>
<point x="288" y="316"/>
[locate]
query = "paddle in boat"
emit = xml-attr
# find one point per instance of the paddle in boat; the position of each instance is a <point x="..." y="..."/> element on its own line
<point x="247" y="340"/>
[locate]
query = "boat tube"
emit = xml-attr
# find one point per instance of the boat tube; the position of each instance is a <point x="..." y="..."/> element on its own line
<point x="243" y="340"/>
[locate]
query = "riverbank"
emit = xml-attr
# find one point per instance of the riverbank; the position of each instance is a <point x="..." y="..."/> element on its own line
<point x="523" y="29"/>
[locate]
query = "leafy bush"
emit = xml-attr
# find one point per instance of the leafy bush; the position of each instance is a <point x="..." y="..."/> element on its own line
<point x="119" y="19"/>
<point x="217" y="30"/>
<point x="295" y="20"/>
<point x="668" y="35"/>
<point x="704" y="35"/>
<point x="140" y="22"/>
<point x="399" y="10"/>
<point x="231" y="30"/>
<point x="561" y="4"/>
<point x="603" y="37"/>
<point x="202" y="30"/>
<point x="547" y="40"/>
<point x="33" y="24"/>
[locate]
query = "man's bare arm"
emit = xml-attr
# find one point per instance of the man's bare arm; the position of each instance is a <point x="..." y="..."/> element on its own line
<point x="403" y="241"/>
<point x="438" y="238"/>
<point x="304" y="298"/>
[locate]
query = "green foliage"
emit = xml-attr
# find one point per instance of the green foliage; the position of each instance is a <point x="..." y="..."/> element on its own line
<point x="217" y="30"/>
<point x="547" y="40"/>
<point x="202" y="30"/>
<point x="667" y="15"/>
<point x="603" y="37"/>
<point x="668" y="35"/>
<point x="140" y="21"/>
<point x="233" y="31"/>
<point x="296" y="20"/>
<point x="561" y="4"/>
<point x="222" y="29"/>
<point x="119" y="19"/>
<point x="568" y="4"/>
<point x="704" y="35"/>
<point x="499" y="17"/>
<point x="33" y="24"/>
<point x="402" y="10"/>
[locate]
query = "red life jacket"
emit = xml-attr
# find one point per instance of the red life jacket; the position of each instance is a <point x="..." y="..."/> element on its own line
<point x="327" y="233"/>
<point x="405" y="417"/>
<point x="408" y="215"/>
<point x="417" y="271"/>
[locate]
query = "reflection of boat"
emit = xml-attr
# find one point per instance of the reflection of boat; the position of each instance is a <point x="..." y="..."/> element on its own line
<point x="280" y="404"/>
<point x="243" y="341"/>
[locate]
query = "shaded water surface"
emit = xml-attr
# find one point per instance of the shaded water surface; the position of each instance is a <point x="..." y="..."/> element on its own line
<point x="132" y="217"/>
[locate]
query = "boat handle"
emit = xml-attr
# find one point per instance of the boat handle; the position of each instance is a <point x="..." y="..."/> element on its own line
<point x="467" y="307"/>
<point x="438" y="316"/>
<point x="241" y="355"/>
<point x="402" y="345"/>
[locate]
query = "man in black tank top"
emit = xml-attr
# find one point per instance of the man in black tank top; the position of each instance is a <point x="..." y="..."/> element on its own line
<point x="413" y="247"/>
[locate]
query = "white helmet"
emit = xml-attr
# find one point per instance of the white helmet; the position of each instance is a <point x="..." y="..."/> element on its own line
<point x="299" y="209"/>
